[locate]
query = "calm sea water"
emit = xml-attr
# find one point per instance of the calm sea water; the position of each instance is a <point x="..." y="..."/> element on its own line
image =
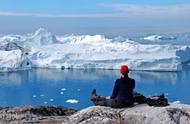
<point x="43" y="86"/>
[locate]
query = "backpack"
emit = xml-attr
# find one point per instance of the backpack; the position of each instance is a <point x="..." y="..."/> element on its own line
<point x="157" y="101"/>
<point x="152" y="101"/>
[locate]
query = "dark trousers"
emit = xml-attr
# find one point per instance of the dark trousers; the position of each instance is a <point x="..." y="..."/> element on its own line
<point x="114" y="103"/>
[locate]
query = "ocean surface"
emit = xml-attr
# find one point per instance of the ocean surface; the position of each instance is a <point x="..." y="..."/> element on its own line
<point x="55" y="87"/>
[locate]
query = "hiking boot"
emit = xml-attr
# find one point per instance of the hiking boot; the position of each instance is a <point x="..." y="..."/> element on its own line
<point x="162" y="96"/>
<point x="94" y="96"/>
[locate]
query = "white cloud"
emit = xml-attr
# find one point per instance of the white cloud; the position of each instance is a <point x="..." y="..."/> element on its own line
<point x="122" y="10"/>
<point x="57" y="15"/>
<point x="150" y="11"/>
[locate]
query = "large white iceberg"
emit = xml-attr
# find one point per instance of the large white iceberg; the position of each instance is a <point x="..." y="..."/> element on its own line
<point x="13" y="60"/>
<point x="109" y="56"/>
<point x="39" y="38"/>
<point x="86" y="51"/>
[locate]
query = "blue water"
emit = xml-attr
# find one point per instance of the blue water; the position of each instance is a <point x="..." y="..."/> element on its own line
<point x="38" y="86"/>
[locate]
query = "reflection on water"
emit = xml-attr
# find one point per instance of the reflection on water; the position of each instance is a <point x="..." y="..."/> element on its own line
<point x="13" y="78"/>
<point x="40" y="86"/>
<point x="87" y="75"/>
<point x="153" y="77"/>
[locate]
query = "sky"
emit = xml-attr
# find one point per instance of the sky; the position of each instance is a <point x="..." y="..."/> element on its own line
<point x="106" y="17"/>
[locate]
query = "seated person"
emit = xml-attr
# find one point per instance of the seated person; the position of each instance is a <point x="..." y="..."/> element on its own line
<point x="122" y="95"/>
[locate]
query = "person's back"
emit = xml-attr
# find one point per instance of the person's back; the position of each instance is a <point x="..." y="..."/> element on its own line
<point x="123" y="90"/>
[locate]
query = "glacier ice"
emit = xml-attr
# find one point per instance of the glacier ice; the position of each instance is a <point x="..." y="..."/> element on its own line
<point x="159" y="37"/>
<point x="45" y="50"/>
<point x="13" y="60"/>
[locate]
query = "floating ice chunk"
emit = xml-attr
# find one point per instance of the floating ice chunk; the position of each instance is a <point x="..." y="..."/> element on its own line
<point x="176" y="102"/>
<point x="61" y="93"/>
<point x="63" y="89"/>
<point x="45" y="102"/>
<point x="51" y="100"/>
<point x="72" y="101"/>
<point x="42" y="95"/>
<point x="34" y="96"/>
<point x="78" y="89"/>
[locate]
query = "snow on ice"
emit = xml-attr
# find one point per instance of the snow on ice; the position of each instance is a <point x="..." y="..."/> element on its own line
<point x="44" y="50"/>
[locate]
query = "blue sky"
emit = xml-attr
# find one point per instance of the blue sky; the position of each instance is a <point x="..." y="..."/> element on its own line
<point x="109" y="17"/>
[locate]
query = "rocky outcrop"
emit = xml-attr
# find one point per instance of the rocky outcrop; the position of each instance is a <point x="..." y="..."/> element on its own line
<point x="31" y="114"/>
<point x="140" y="114"/>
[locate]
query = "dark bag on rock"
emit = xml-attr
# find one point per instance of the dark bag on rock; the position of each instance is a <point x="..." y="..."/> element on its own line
<point x="139" y="98"/>
<point x="157" y="101"/>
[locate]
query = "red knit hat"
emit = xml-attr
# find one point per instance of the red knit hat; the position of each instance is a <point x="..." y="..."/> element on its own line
<point x="124" y="69"/>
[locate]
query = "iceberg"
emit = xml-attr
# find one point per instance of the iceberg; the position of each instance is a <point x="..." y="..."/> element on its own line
<point x="45" y="50"/>
<point x="13" y="60"/>
<point x="39" y="38"/>
<point x="13" y="57"/>
<point x="105" y="54"/>
<point x="159" y="37"/>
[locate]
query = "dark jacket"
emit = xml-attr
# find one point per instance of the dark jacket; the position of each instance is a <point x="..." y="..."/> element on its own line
<point x="123" y="90"/>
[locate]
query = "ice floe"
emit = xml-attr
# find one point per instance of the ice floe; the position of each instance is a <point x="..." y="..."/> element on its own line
<point x="63" y="89"/>
<point x="61" y="93"/>
<point x="72" y="101"/>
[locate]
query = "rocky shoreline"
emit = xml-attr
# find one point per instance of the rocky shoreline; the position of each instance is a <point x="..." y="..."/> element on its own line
<point x="34" y="114"/>
<point x="138" y="114"/>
